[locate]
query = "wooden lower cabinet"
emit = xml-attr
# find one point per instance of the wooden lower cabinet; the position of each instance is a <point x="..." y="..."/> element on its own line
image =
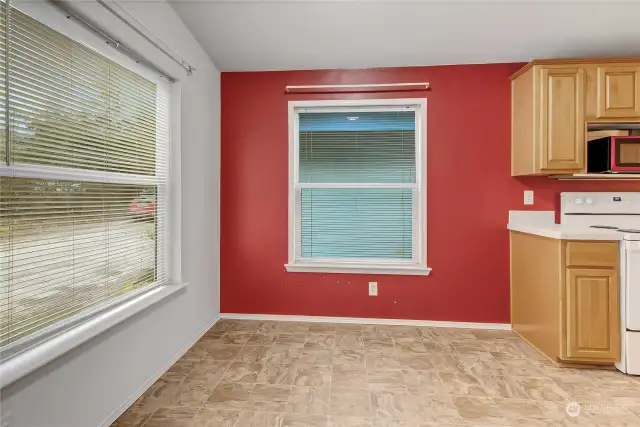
<point x="563" y="300"/>
<point x="592" y="314"/>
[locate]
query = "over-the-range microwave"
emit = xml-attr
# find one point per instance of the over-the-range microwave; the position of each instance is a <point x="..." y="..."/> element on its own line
<point x="614" y="154"/>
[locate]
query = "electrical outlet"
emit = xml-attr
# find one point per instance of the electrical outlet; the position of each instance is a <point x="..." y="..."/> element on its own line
<point x="373" y="289"/>
<point x="528" y="197"/>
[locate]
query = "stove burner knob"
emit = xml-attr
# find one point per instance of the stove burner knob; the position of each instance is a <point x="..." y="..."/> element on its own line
<point x="578" y="201"/>
<point x="588" y="201"/>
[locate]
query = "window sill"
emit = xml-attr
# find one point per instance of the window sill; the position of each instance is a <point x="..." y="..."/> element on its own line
<point x="355" y="268"/>
<point x="23" y="364"/>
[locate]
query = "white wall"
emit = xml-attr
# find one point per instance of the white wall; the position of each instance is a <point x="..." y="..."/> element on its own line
<point x="88" y="386"/>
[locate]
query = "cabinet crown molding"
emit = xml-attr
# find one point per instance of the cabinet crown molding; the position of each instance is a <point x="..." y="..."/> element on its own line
<point x="569" y="61"/>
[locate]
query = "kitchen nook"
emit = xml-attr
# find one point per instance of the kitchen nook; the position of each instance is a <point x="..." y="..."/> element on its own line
<point x="575" y="285"/>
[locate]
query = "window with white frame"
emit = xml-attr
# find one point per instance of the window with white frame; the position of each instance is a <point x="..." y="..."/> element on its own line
<point x="357" y="190"/>
<point x="84" y="169"/>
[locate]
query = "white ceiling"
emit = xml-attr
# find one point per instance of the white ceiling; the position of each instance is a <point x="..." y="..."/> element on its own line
<point x="292" y="35"/>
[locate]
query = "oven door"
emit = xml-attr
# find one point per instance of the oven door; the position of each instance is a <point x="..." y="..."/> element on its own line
<point x="625" y="154"/>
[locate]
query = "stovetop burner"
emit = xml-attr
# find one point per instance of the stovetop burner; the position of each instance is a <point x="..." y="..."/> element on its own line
<point x="605" y="227"/>
<point x="629" y="231"/>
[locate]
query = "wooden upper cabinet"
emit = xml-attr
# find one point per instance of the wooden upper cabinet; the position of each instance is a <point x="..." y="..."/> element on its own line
<point x="592" y="315"/>
<point x="553" y="100"/>
<point x="548" y="121"/>
<point x="562" y="119"/>
<point x="617" y="91"/>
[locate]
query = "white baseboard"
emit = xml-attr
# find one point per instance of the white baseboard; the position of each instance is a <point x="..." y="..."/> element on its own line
<point x="136" y="395"/>
<point x="366" y="321"/>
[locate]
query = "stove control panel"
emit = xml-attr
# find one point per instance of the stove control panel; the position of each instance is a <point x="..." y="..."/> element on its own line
<point x="609" y="203"/>
<point x="620" y="210"/>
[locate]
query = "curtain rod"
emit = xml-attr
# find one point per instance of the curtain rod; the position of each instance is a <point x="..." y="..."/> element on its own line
<point x="118" y="45"/>
<point x="137" y="26"/>
<point x="374" y="87"/>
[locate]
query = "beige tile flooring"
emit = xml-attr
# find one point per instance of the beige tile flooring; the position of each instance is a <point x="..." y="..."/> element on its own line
<point x="286" y="374"/>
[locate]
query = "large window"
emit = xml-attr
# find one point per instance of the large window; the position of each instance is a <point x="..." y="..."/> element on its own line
<point x="357" y="186"/>
<point x="83" y="181"/>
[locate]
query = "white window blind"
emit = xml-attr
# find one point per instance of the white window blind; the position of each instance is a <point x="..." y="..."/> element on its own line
<point x="357" y="186"/>
<point x="83" y="182"/>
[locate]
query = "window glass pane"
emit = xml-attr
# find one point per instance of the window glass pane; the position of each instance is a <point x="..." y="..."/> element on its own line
<point x="357" y="223"/>
<point x="366" y="147"/>
<point x="69" y="245"/>
<point x="72" y="107"/>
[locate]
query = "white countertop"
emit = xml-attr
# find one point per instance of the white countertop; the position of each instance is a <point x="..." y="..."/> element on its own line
<point x="542" y="223"/>
<point x="557" y="231"/>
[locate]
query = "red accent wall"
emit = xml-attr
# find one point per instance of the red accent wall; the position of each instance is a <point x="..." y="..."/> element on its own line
<point x="470" y="192"/>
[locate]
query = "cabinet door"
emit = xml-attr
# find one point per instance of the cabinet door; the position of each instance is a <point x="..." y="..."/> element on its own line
<point x="618" y="91"/>
<point x="592" y="315"/>
<point x="562" y="119"/>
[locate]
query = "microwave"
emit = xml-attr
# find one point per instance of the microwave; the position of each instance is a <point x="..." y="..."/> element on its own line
<point x="614" y="154"/>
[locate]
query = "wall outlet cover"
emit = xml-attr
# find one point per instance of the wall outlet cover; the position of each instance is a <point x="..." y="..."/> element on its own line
<point x="528" y="197"/>
<point x="373" y="289"/>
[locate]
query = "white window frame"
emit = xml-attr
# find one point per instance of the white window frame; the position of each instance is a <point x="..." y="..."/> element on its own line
<point x="55" y="340"/>
<point x="415" y="266"/>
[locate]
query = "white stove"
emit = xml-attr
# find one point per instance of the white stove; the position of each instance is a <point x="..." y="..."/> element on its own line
<point x="615" y="213"/>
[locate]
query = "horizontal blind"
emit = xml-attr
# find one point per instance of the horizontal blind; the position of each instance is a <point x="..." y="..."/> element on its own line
<point x="73" y="245"/>
<point x="368" y="147"/>
<point x="72" y="107"/>
<point x="357" y="223"/>
<point x="351" y="216"/>
<point x="3" y="87"/>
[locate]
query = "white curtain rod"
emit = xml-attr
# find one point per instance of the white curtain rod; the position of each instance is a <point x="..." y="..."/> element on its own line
<point x="421" y="85"/>
<point x="137" y="26"/>
<point x="118" y="45"/>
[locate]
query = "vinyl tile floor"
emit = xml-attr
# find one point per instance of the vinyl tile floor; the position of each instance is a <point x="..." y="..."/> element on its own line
<point x="287" y="374"/>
